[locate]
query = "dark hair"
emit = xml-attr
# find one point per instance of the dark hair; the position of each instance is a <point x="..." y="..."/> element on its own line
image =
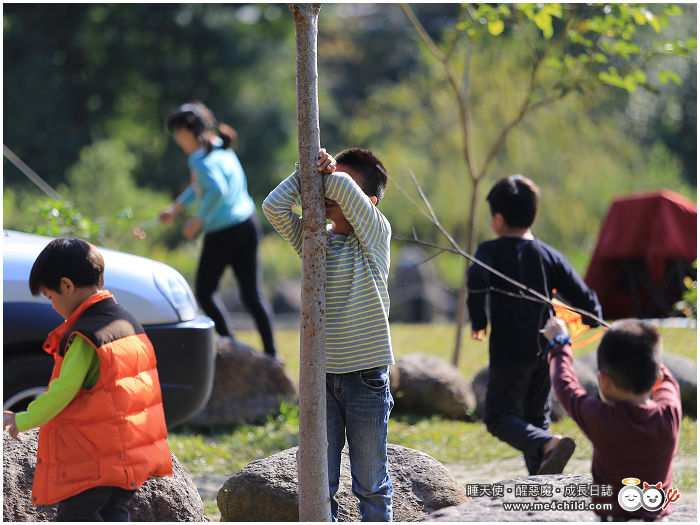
<point x="75" y="259"/>
<point x="198" y="118"/>
<point x="630" y="353"/>
<point x="516" y="198"/>
<point x="371" y="169"/>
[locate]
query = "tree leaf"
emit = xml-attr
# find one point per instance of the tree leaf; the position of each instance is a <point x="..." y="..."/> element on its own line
<point x="496" y="27"/>
<point x="665" y="76"/>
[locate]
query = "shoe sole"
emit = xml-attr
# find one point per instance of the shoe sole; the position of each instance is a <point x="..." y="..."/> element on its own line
<point x="560" y="456"/>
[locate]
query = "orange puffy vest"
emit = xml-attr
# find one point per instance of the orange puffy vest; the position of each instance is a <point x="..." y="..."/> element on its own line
<point x="113" y="434"/>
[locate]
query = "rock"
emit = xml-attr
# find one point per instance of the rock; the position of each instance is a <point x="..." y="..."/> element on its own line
<point x="479" y="383"/>
<point x="686" y="373"/>
<point x="590" y="360"/>
<point x="173" y="498"/>
<point x="490" y="509"/>
<point x="287" y="298"/>
<point x="428" y="386"/>
<point x="248" y="386"/>
<point x="587" y="378"/>
<point x="267" y="489"/>
<point x="586" y="375"/>
<point x="416" y="292"/>
<point x="586" y="369"/>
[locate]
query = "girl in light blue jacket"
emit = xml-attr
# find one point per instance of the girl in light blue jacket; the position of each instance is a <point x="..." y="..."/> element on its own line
<point x="225" y="213"/>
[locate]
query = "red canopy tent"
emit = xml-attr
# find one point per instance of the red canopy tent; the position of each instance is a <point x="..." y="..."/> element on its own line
<point x="645" y="249"/>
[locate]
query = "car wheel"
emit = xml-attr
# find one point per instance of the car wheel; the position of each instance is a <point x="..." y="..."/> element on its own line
<point x="24" y="379"/>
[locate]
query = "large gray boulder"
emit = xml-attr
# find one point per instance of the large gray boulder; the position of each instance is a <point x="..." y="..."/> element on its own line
<point x="267" y="489"/>
<point x="248" y="386"/>
<point x="686" y="373"/>
<point x="173" y="498"/>
<point x="489" y="508"/>
<point x="416" y="292"/>
<point x="428" y="386"/>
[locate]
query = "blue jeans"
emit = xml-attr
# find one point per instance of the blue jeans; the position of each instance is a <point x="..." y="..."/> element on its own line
<point x="358" y="405"/>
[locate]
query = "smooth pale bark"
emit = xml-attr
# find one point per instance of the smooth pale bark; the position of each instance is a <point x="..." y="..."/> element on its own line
<point x="312" y="461"/>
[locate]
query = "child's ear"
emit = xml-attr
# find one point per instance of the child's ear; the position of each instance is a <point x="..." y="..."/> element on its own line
<point x="658" y="381"/>
<point x="66" y="286"/>
<point x="498" y="220"/>
<point x="373" y="199"/>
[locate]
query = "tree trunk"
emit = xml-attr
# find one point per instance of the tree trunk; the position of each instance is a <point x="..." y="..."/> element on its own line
<point x="312" y="461"/>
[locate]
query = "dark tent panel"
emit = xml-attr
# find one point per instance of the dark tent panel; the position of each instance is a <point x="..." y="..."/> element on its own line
<point x="645" y="250"/>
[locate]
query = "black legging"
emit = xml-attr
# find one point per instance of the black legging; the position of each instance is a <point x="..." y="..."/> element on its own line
<point x="236" y="246"/>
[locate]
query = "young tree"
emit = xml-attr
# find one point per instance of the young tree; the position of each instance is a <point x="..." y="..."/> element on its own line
<point x="589" y="46"/>
<point x="312" y="462"/>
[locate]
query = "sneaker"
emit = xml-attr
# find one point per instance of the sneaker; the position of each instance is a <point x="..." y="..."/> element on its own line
<point x="555" y="460"/>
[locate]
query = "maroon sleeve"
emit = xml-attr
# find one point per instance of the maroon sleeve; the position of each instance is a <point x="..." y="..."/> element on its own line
<point x="585" y="410"/>
<point x="668" y="394"/>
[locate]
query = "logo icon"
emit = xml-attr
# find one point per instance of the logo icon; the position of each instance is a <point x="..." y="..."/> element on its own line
<point x="650" y="497"/>
<point x="653" y="497"/>
<point x="630" y="496"/>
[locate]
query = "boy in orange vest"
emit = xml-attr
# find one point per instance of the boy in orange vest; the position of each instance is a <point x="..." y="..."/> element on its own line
<point x="102" y="428"/>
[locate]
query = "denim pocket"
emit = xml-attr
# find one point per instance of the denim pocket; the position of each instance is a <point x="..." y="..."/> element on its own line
<point x="375" y="378"/>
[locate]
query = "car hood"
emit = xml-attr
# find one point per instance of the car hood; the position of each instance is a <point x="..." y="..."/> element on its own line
<point x="130" y="278"/>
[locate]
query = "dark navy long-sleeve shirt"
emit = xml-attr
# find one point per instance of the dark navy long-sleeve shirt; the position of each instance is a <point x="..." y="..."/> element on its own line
<point x="516" y="321"/>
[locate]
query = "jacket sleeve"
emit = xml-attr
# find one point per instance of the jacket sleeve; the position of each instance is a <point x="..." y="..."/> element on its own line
<point x="576" y="292"/>
<point x="213" y="185"/>
<point x="668" y="396"/>
<point x="188" y="197"/>
<point x="63" y="389"/>
<point x="588" y="412"/>
<point x="370" y="226"/>
<point x="477" y="287"/>
<point x="278" y="208"/>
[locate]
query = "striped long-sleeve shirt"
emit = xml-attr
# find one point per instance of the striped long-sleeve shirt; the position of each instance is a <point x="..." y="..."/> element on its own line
<point x="357" y="271"/>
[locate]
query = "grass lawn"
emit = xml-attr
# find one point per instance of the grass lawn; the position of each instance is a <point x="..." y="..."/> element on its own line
<point x="224" y="451"/>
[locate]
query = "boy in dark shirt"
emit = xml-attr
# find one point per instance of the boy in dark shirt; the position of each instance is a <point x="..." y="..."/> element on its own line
<point x="634" y="426"/>
<point x="517" y="408"/>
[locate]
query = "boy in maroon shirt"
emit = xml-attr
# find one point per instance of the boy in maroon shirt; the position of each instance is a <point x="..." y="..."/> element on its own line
<point x="634" y="426"/>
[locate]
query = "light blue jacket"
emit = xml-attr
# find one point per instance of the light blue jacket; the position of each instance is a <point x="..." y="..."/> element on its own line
<point x="220" y="187"/>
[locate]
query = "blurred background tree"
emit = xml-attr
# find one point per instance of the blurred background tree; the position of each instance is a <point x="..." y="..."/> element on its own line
<point x="87" y="89"/>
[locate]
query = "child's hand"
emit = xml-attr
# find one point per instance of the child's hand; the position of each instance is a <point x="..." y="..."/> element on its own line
<point x="479" y="335"/>
<point x="191" y="228"/>
<point x="8" y="422"/>
<point x="553" y="327"/>
<point x="166" y="217"/>
<point x="326" y="163"/>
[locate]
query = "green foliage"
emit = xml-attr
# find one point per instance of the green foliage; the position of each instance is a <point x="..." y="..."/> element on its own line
<point x="79" y="112"/>
<point x="688" y="305"/>
<point x="61" y="219"/>
<point x="580" y="162"/>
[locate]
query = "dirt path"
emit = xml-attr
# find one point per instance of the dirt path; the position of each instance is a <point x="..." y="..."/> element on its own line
<point x="465" y="473"/>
